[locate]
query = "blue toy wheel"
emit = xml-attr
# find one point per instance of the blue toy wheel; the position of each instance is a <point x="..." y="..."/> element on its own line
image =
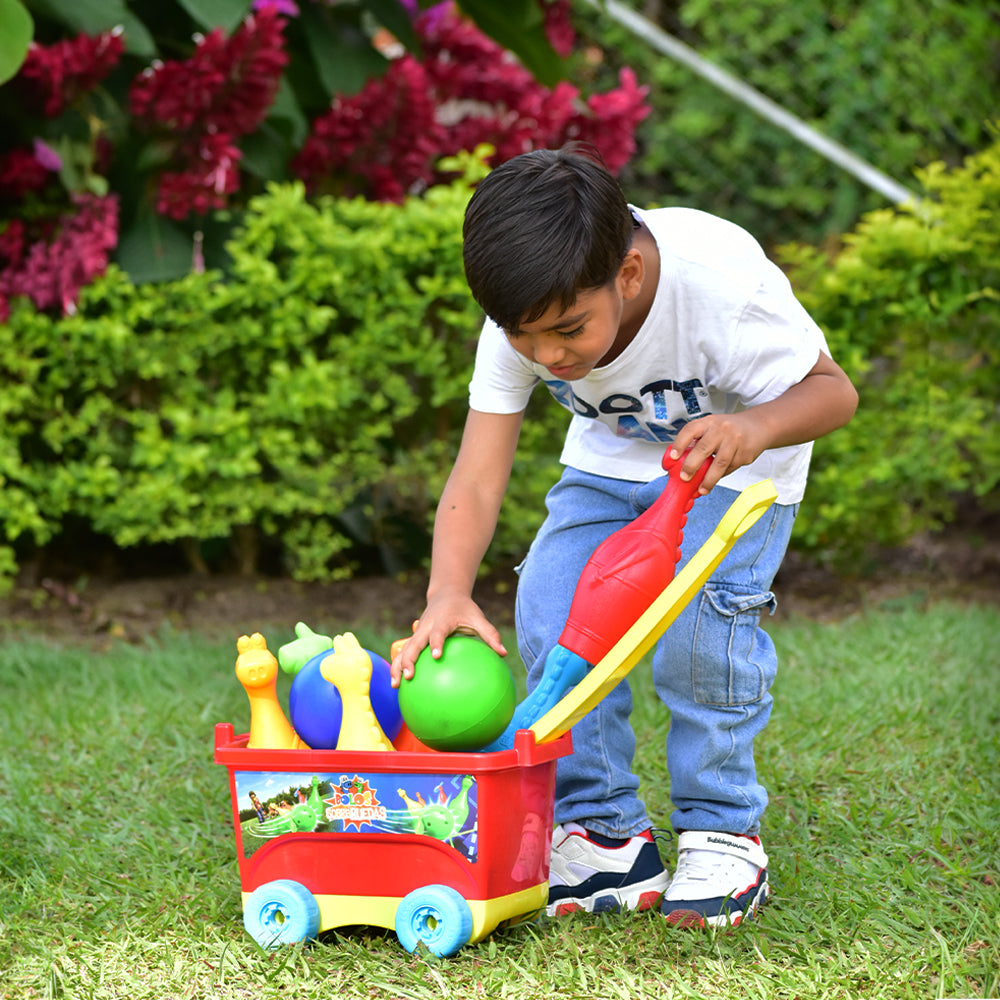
<point x="437" y="916"/>
<point x="281" y="912"/>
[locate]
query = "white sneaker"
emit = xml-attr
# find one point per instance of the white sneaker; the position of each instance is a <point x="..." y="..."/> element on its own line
<point x="590" y="876"/>
<point x="720" y="880"/>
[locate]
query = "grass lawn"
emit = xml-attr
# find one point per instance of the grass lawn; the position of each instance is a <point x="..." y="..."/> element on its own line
<point x="118" y="867"/>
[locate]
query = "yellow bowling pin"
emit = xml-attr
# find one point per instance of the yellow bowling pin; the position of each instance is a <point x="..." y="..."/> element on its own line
<point x="257" y="671"/>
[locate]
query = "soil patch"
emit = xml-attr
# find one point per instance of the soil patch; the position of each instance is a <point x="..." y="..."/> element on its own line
<point x="954" y="565"/>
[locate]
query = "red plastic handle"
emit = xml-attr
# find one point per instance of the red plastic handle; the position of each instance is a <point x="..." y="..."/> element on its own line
<point x="630" y="568"/>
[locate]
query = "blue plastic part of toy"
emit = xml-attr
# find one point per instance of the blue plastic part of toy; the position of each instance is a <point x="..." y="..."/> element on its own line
<point x="281" y="912"/>
<point x="436" y="916"/>
<point x="563" y="670"/>
<point x="315" y="708"/>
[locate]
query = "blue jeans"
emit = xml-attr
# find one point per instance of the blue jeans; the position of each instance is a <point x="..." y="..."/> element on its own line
<point x="713" y="669"/>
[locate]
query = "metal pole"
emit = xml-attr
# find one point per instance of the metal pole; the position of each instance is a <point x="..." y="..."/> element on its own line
<point x="833" y="151"/>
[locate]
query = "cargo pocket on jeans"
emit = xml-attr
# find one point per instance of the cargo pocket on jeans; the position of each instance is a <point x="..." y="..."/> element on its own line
<point x="733" y="659"/>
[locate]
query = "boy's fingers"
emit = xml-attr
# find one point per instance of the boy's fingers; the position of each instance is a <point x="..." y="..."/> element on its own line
<point x="488" y="633"/>
<point x="403" y="664"/>
<point x="696" y="458"/>
<point x="492" y="639"/>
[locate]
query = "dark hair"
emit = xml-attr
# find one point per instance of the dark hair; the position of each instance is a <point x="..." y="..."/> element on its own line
<point x="541" y="228"/>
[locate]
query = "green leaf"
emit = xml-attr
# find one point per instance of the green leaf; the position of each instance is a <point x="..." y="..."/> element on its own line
<point x="81" y="15"/>
<point x="154" y="249"/>
<point x="266" y="152"/>
<point x="93" y="16"/>
<point x="225" y="14"/>
<point x="393" y="17"/>
<point x="517" y="25"/>
<point x="287" y="110"/>
<point x="342" y="53"/>
<point x="16" y="30"/>
<point x="138" y="41"/>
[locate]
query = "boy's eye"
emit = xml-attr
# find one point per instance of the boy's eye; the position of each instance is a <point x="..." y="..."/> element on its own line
<point x="571" y="333"/>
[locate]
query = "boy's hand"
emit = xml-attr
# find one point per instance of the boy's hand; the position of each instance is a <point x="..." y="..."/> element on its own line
<point x="445" y="614"/>
<point x="821" y="402"/>
<point x="734" y="439"/>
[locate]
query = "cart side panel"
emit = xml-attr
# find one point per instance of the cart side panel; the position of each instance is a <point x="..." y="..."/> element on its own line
<point x="515" y="829"/>
<point x="359" y="865"/>
<point x="486" y="836"/>
<point x="368" y="825"/>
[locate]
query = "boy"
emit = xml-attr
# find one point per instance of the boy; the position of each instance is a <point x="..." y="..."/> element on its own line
<point x="659" y="329"/>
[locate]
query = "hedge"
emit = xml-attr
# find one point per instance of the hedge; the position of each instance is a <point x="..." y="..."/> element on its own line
<point x="288" y="399"/>
<point x="911" y="307"/>
<point x="310" y="399"/>
<point x="897" y="89"/>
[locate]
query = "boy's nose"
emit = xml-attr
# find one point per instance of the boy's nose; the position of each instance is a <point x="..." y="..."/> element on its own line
<point x="548" y="353"/>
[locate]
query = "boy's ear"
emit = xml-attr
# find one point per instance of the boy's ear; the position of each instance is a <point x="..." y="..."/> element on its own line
<point x="631" y="273"/>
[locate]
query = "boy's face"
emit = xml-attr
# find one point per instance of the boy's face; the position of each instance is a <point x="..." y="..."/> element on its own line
<point x="574" y="341"/>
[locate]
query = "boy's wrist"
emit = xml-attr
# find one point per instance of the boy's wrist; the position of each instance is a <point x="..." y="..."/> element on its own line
<point x="448" y="592"/>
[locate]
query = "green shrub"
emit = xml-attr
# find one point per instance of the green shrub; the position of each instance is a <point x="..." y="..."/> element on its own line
<point x="310" y="400"/>
<point x="898" y="88"/>
<point x="313" y="377"/>
<point x="911" y="306"/>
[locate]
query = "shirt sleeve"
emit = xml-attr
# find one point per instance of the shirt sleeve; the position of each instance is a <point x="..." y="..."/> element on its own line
<point x="502" y="380"/>
<point x="776" y="346"/>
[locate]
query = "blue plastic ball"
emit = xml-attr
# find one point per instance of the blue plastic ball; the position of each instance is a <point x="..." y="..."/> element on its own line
<point x="315" y="707"/>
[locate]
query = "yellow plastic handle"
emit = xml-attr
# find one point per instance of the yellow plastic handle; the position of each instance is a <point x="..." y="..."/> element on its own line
<point x="746" y="509"/>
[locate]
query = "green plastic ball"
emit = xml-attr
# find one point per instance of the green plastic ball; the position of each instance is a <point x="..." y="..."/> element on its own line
<point x="461" y="701"/>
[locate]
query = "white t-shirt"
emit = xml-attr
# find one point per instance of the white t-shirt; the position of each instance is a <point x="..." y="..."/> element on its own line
<point x="724" y="332"/>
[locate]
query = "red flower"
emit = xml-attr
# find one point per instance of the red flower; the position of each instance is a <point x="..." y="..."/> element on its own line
<point x="227" y="85"/>
<point x="490" y="97"/>
<point x="54" y="76"/>
<point x="211" y="174"/>
<point x="383" y="139"/>
<point x="21" y="173"/>
<point x="12" y="243"/>
<point x="207" y="102"/>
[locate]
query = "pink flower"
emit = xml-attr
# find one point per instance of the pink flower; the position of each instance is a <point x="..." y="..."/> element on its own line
<point x="558" y="26"/>
<point x="612" y="119"/>
<point x="286" y="8"/>
<point x="51" y="272"/>
<point x="47" y="156"/>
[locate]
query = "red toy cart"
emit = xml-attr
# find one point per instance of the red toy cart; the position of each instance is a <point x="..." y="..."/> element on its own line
<point x="442" y="847"/>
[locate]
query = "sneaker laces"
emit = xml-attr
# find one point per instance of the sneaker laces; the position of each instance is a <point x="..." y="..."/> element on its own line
<point x="697" y="866"/>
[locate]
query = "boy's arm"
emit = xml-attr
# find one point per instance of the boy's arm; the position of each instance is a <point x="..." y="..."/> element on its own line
<point x="463" y="528"/>
<point x="823" y="401"/>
